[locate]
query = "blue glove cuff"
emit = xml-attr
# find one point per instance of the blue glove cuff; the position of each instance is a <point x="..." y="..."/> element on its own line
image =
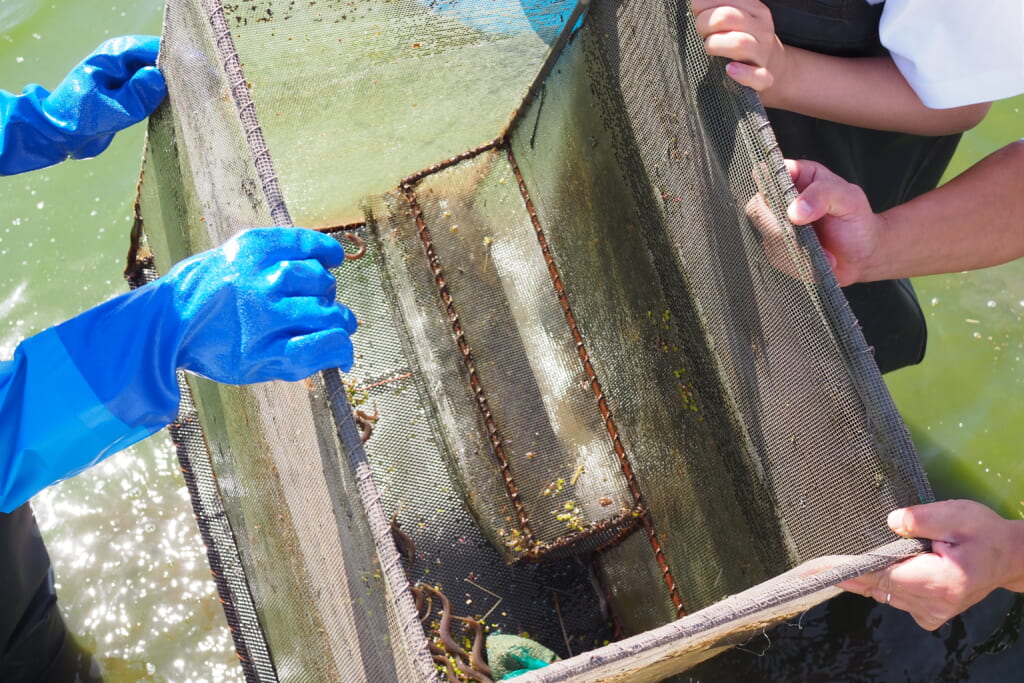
<point x="52" y="420"/>
<point x="126" y="349"/>
<point x="28" y="140"/>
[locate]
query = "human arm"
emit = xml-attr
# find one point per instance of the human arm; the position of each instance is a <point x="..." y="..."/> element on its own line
<point x="973" y="221"/>
<point x="259" y="307"/>
<point x="974" y="551"/>
<point x="869" y="92"/>
<point x="114" y="87"/>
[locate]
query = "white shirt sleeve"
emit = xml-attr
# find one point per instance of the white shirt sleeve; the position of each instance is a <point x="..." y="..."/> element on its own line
<point x="956" y="52"/>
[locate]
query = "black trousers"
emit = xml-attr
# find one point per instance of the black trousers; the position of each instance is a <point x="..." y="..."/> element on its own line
<point x="36" y="644"/>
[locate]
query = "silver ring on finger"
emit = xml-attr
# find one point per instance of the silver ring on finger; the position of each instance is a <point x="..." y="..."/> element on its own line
<point x="888" y="599"/>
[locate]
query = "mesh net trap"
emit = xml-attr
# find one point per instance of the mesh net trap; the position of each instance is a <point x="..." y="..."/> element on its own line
<point x="605" y="396"/>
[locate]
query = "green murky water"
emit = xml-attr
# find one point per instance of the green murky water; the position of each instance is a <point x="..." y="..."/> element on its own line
<point x="963" y="404"/>
<point x="131" y="570"/>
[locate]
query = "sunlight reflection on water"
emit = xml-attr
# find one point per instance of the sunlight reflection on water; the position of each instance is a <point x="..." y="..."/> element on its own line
<point x="131" y="569"/>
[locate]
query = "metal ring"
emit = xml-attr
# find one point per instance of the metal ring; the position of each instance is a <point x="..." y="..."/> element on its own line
<point x="888" y="599"/>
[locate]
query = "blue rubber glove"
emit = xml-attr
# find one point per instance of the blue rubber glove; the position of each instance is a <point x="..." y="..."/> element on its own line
<point x="260" y="307"/>
<point x="543" y="17"/>
<point x="116" y="86"/>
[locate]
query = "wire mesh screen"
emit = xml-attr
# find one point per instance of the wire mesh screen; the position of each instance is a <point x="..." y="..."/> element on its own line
<point x="605" y="394"/>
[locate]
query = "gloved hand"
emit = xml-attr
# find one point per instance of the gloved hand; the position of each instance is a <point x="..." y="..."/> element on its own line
<point x="259" y="307"/>
<point x="116" y="86"/>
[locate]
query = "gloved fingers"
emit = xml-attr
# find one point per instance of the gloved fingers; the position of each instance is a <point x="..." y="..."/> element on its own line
<point x="347" y="320"/>
<point x="115" y="61"/>
<point x="125" y="67"/>
<point x="294" y="356"/>
<point x="302" y="278"/>
<point x="148" y="89"/>
<point x="134" y="50"/>
<point x="243" y="305"/>
<point x="301" y="315"/>
<point x="287" y="244"/>
<point x="320" y="350"/>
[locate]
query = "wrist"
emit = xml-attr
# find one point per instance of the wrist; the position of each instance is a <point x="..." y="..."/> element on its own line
<point x="187" y="301"/>
<point x="781" y="64"/>
<point x="877" y="261"/>
<point x="29" y="138"/>
<point x="57" y="439"/>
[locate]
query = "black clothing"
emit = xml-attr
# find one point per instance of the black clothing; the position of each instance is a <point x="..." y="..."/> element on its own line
<point x="892" y="168"/>
<point x="36" y="644"/>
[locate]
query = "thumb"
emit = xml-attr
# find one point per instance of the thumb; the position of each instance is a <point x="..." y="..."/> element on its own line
<point x="828" y="195"/>
<point x="831" y="258"/>
<point x="933" y="521"/>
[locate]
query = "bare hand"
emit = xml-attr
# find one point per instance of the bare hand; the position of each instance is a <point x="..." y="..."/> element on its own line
<point x="848" y="230"/>
<point x="974" y="551"/>
<point x="778" y="240"/>
<point x="742" y="31"/>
